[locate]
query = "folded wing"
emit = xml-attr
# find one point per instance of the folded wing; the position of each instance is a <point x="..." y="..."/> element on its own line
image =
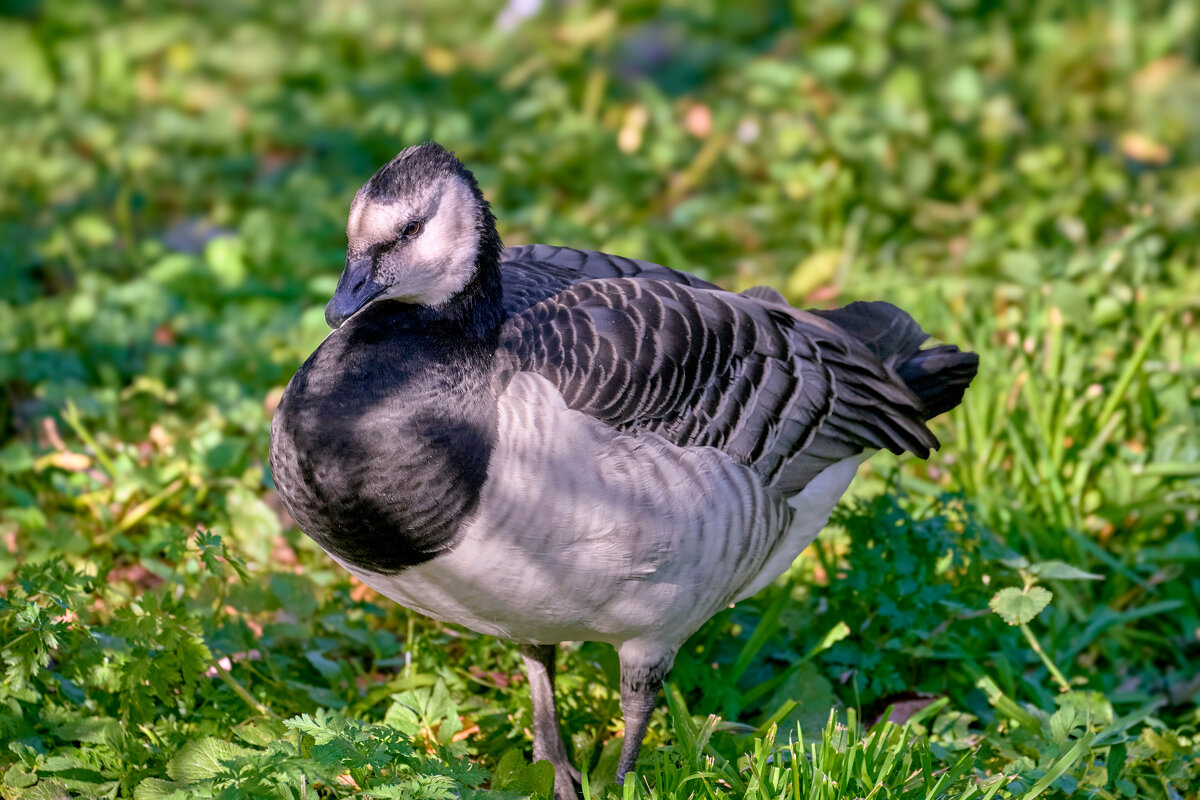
<point x="784" y="391"/>
<point x="530" y="273"/>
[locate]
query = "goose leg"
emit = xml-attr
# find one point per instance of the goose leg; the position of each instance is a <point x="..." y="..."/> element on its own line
<point x="547" y="740"/>
<point x="642" y="672"/>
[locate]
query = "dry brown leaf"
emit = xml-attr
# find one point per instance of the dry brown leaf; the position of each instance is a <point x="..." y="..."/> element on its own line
<point x="271" y="401"/>
<point x="698" y="121"/>
<point x="1141" y="148"/>
<point x="71" y="462"/>
<point x="904" y="706"/>
<point x="361" y="592"/>
<point x="135" y="574"/>
<point x="50" y="428"/>
<point x="1151" y="78"/>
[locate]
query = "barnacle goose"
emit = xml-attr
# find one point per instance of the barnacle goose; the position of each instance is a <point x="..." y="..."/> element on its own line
<point x="546" y="444"/>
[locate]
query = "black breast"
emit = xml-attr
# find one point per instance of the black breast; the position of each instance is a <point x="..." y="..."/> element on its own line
<point x="380" y="445"/>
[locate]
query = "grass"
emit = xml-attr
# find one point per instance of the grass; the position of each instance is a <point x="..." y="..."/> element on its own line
<point x="1024" y="178"/>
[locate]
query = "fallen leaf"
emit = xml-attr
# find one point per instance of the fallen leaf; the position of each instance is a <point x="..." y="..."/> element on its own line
<point x="1151" y="78"/>
<point x="135" y="574"/>
<point x="629" y="138"/>
<point x="271" y="401"/>
<point x="361" y="592"/>
<point x="469" y="729"/>
<point x="904" y="706"/>
<point x="1141" y="148"/>
<point x="698" y="121"/>
<point x="71" y="462"/>
<point x="282" y="552"/>
<point x="50" y="428"/>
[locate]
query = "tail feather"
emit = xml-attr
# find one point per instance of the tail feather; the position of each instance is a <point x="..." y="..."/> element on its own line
<point x="938" y="376"/>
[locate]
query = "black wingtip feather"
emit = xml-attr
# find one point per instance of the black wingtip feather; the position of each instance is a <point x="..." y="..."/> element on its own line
<point x="887" y="331"/>
<point x="939" y="376"/>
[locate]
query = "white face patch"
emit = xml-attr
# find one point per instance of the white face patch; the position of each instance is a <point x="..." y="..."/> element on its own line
<point x="442" y="257"/>
<point x="372" y="223"/>
<point x="432" y="266"/>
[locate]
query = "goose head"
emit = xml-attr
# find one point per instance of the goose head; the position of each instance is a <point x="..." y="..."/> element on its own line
<point x="419" y="231"/>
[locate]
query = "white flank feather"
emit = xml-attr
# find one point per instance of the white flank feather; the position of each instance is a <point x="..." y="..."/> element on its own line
<point x="587" y="534"/>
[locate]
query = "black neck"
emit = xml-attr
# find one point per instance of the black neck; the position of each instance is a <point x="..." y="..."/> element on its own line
<point x="382" y="441"/>
<point x="477" y="310"/>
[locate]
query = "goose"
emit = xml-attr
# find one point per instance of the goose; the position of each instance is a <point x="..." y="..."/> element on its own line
<point x="547" y="444"/>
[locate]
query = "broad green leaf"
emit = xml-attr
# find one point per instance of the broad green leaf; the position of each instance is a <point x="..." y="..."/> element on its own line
<point x="24" y="69"/>
<point x="319" y="726"/>
<point x="832" y="60"/>
<point x="253" y="524"/>
<point x="426" y="787"/>
<point x="158" y="789"/>
<point x="1022" y="267"/>
<point x="19" y="779"/>
<point x="1114" y="762"/>
<point x="225" y="256"/>
<point x="92" y="730"/>
<point x="1060" y="767"/>
<point x="514" y="773"/>
<point x="1063" y="571"/>
<point x="15" y="457"/>
<point x="260" y="733"/>
<point x="835" y="634"/>
<point x="402" y="716"/>
<point x="1063" y="722"/>
<point x="1018" y="606"/>
<point x="812" y="693"/>
<point x="55" y="789"/>
<point x="201" y="759"/>
<point x="297" y="594"/>
<point x="94" y="230"/>
<point x="964" y="88"/>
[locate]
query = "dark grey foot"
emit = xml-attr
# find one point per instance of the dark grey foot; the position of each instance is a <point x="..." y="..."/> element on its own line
<point x="643" y="668"/>
<point x="547" y="739"/>
<point x="568" y="783"/>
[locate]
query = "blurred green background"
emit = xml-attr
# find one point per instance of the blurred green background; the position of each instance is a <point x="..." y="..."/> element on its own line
<point x="1023" y="177"/>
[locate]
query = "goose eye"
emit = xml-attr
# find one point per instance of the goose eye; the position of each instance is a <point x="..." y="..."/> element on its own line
<point x="412" y="228"/>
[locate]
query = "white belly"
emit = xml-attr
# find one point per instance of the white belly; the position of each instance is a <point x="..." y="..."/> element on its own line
<point x="811" y="508"/>
<point x="585" y="534"/>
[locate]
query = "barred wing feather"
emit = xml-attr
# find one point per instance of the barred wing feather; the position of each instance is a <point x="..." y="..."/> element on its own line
<point x="784" y="391"/>
<point x="533" y="272"/>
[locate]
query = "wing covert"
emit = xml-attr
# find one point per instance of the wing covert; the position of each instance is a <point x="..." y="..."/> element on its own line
<point x="530" y="273"/>
<point x="784" y="391"/>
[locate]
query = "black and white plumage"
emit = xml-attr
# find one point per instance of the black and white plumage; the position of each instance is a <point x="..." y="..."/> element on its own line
<point x="547" y="444"/>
